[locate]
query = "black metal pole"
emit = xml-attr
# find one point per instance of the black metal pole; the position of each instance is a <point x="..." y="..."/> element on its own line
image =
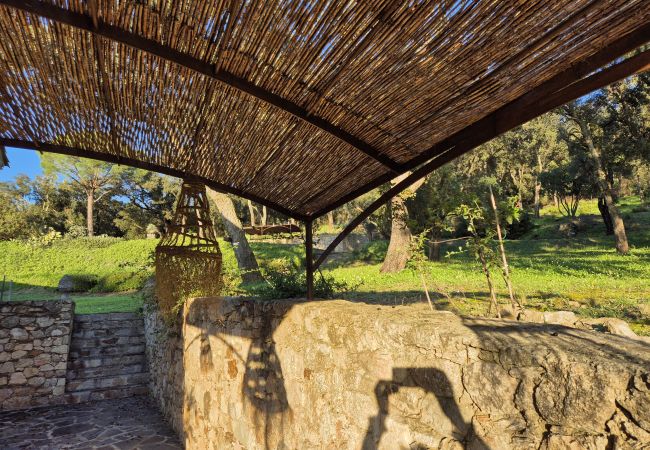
<point x="309" y="259"/>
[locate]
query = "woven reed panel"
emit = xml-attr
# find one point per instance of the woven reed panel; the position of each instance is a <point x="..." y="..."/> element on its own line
<point x="399" y="75"/>
<point x="188" y="259"/>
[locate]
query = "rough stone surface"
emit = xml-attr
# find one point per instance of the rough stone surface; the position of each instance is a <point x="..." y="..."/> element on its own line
<point x="34" y="357"/>
<point x="618" y="326"/>
<point x="336" y="374"/>
<point x="107" y="358"/>
<point x="132" y="423"/>
<point x="566" y="318"/>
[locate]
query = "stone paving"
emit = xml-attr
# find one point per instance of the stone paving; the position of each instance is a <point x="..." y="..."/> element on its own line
<point x="129" y="423"/>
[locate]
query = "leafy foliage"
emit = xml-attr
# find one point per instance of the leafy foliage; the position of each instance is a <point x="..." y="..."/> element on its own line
<point x="285" y="279"/>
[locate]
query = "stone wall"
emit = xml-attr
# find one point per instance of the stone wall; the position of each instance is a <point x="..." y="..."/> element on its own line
<point x="34" y="345"/>
<point x="341" y="375"/>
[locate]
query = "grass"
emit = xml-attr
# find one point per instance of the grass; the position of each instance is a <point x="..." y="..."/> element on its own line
<point x="550" y="271"/>
<point x="88" y="304"/>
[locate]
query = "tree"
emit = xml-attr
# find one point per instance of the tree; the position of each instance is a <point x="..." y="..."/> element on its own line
<point x="502" y="250"/>
<point x="150" y="201"/>
<point x="399" y="247"/>
<point x="4" y="161"/>
<point x="611" y="127"/>
<point x="480" y="245"/>
<point x="570" y="182"/>
<point x="433" y="204"/>
<point x="95" y="179"/>
<point x="245" y="258"/>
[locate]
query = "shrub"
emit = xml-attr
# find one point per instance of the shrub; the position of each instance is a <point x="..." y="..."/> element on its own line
<point x="287" y="280"/>
<point x="519" y="227"/>
<point x="76" y="231"/>
<point x="80" y="282"/>
<point x="373" y="252"/>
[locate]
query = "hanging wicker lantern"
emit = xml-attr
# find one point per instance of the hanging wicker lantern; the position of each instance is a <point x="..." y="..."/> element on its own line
<point x="188" y="259"/>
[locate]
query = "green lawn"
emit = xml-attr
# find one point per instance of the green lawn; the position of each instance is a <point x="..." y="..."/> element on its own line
<point x="582" y="273"/>
<point x="85" y="303"/>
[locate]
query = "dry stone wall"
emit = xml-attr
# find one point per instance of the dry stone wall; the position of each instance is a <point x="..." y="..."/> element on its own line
<point x="34" y="346"/>
<point x="340" y="375"/>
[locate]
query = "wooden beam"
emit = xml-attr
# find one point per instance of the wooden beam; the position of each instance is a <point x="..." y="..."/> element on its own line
<point x="113" y="159"/>
<point x="598" y="80"/>
<point x="117" y="34"/>
<point x="526" y="107"/>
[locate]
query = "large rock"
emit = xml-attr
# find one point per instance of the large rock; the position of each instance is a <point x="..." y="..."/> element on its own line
<point x="76" y="283"/>
<point x="618" y="326"/>
<point x="566" y="318"/>
<point x="335" y="374"/>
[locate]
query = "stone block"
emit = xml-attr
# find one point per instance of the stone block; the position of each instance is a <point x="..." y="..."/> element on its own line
<point x="566" y="318"/>
<point x="17" y="403"/>
<point x="7" y="367"/>
<point x="9" y="322"/>
<point x="17" y="378"/>
<point x="18" y="354"/>
<point x="19" y="334"/>
<point x="36" y="381"/>
<point x="31" y="371"/>
<point x="25" y="346"/>
<point x="44" y="322"/>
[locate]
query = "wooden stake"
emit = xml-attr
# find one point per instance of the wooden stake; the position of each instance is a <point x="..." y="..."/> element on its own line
<point x="309" y="259"/>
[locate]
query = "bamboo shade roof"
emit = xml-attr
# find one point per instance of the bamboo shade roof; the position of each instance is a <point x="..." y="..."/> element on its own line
<point x="297" y="104"/>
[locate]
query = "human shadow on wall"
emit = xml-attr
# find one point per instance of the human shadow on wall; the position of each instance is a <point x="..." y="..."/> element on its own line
<point x="263" y="386"/>
<point x="432" y="381"/>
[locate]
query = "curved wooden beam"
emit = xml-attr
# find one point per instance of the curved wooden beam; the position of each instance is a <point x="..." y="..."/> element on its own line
<point x="113" y="159"/>
<point x="635" y="64"/>
<point x="86" y="23"/>
<point x="562" y="88"/>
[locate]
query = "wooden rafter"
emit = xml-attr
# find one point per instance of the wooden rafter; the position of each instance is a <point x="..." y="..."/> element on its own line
<point x="498" y="125"/>
<point x="125" y="37"/>
<point x="114" y="159"/>
<point x="563" y="87"/>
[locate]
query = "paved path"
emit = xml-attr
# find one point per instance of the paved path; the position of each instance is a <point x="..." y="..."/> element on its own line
<point x="130" y="423"/>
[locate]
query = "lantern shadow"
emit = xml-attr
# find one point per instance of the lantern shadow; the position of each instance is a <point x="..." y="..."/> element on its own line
<point x="263" y="386"/>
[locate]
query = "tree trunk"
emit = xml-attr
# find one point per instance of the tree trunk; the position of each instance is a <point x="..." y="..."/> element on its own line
<point x="245" y="257"/>
<point x="538" y="185"/>
<point x="90" y="206"/>
<point x="520" y="189"/>
<point x="251" y="211"/>
<point x="264" y="215"/>
<point x="399" y="251"/>
<point x="606" y="189"/>
<point x="330" y="219"/>
<point x="604" y="213"/>
<point x="538" y="190"/>
<point x="434" y="246"/>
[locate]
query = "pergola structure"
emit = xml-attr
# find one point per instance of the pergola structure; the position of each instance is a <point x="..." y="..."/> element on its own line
<point x="300" y="105"/>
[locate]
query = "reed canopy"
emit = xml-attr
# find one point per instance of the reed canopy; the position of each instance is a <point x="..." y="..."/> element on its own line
<point x="299" y="105"/>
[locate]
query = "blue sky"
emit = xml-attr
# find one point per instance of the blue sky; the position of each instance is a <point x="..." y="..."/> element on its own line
<point x="21" y="161"/>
